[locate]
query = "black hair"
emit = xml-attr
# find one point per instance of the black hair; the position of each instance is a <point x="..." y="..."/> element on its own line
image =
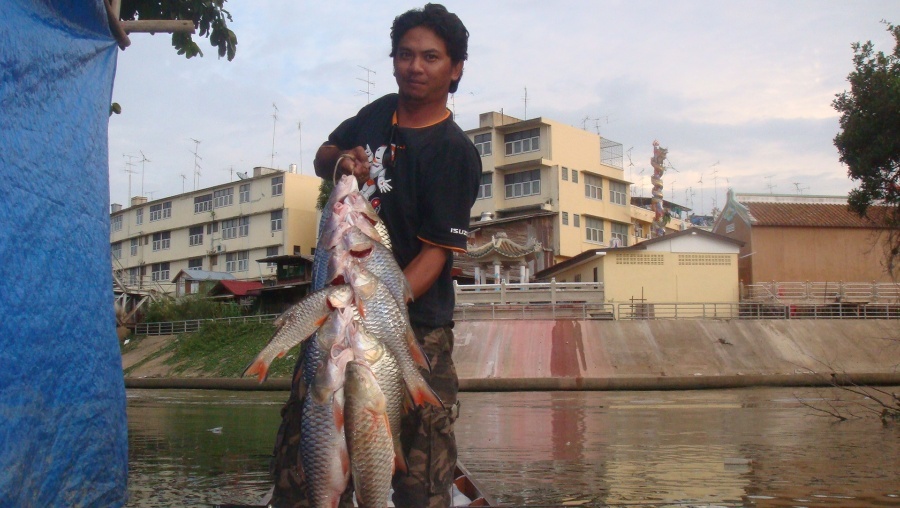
<point x="443" y="23"/>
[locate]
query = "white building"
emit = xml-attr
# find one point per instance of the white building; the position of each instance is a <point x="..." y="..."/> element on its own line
<point x="224" y="228"/>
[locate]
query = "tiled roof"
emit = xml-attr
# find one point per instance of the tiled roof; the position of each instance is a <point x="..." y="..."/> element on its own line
<point x="808" y="215"/>
<point x="240" y="287"/>
<point x="503" y="246"/>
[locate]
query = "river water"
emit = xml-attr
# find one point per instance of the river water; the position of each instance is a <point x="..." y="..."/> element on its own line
<point x="746" y="447"/>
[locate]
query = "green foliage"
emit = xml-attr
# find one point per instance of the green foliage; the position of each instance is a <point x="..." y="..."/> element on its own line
<point x="869" y="141"/>
<point x="189" y="307"/>
<point x="226" y="349"/>
<point x="209" y="17"/>
<point x="325" y="188"/>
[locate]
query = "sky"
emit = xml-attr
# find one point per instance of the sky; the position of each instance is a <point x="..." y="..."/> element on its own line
<point x="739" y="92"/>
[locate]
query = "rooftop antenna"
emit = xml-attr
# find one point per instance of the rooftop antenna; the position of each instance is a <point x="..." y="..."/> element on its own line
<point x="525" y="100"/>
<point x="630" y="164"/>
<point x="800" y="189"/>
<point x="597" y="122"/>
<point x="197" y="158"/>
<point x="368" y="81"/>
<point x="701" y="193"/>
<point x="274" y="120"/>
<point x="230" y="172"/>
<point x="769" y="184"/>
<point x="584" y="122"/>
<point x="715" y="186"/>
<point x="300" y="137"/>
<point x="128" y="170"/>
<point x="183" y="178"/>
<point x="143" y="160"/>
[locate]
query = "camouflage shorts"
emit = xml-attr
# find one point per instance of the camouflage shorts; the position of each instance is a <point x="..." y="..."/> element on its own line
<point x="426" y="434"/>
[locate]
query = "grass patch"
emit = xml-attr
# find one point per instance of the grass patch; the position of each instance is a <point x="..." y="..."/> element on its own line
<point x="225" y="350"/>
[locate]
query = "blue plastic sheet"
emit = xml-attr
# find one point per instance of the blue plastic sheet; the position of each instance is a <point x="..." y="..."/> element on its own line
<point x="63" y="432"/>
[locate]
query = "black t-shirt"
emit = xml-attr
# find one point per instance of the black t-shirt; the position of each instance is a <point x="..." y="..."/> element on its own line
<point x="423" y="183"/>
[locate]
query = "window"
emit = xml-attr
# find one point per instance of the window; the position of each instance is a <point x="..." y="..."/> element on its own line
<point x="195" y="236"/>
<point x="275" y="218"/>
<point x="160" y="211"/>
<point x="237" y="261"/>
<point x="212" y="227"/>
<point x="195" y="264"/>
<point x="523" y="141"/>
<point x="620" y="232"/>
<point x="203" y="203"/>
<point x="161" y="241"/>
<point x="593" y="187"/>
<point x="139" y="216"/>
<point x="224" y="197"/>
<point x="565" y="218"/>
<point x="277" y="185"/>
<point x="577" y="220"/>
<point x="229" y="229"/>
<point x="117" y="250"/>
<point x="243" y="226"/>
<point x="271" y="251"/>
<point x="577" y="278"/>
<point x="593" y="230"/>
<point x="483" y="144"/>
<point x="245" y="193"/>
<point x="574" y="176"/>
<point x="116" y="224"/>
<point x="134" y="246"/>
<point x="486" y="189"/>
<point x="134" y="275"/>
<point x="524" y="183"/>
<point x="638" y="230"/>
<point x="565" y="173"/>
<point x="159" y="271"/>
<point x="617" y="193"/>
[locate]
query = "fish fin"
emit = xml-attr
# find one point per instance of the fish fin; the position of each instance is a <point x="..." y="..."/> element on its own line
<point x="259" y="367"/>
<point x="400" y="460"/>
<point x="321" y="321"/>
<point x="415" y="350"/>
<point x="422" y="393"/>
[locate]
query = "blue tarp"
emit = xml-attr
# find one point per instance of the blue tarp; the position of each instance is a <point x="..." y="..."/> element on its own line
<point x="63" y="432"/>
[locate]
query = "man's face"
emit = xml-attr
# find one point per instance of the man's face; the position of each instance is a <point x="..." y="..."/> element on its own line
<point x="423" y="68"/>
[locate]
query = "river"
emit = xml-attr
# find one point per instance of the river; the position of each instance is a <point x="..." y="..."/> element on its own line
<point x="744" y="447"/>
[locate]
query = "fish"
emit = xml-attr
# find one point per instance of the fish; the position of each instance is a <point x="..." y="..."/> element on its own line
<point x="343" y="188"/>
<point x="383" y="319"/>
<point x="323" y="445"/>
<point x="387" y="373"/>
<point x="368" y="431"/>
<point x="296" y="324"/>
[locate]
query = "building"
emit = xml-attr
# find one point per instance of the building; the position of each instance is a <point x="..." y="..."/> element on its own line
<point x="642" y="217"/>
<point x="791" y="238"/>
<point x="539" y="165"/>
<point x="223" y="228"/>
<point x="688" y="266"/>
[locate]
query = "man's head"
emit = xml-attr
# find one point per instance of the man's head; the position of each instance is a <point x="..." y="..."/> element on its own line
<point x="446" y="25"/>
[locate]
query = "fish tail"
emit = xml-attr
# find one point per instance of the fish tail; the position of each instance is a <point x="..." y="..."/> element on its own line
<point x="422" y="393"/>
<point x="259" y="367"/>
<point x="415" y="350"/>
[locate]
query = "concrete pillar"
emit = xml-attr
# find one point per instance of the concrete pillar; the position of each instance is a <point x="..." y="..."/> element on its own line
<point x="523" y="273"/>
<point x="478" y="274"/>
<point x="497" y="272"/>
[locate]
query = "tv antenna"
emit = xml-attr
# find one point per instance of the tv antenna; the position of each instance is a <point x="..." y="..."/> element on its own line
<point x="769" y="184"/>
<point x="143" y="160"/>
<point x="368" y="81"/>
<point x="701" y="193"/>
<point x="230" y="170"/>
<point x="274" y="120"/>
<point x="300" y="139"/>
<point x="128" y="165"/>
<point x="800" y="188"/>
<point x="525" y="101"/>
<point x="197" y="158"/>
<point x="183" y="178"/>
<point x="630" y="164"/>
<point x="715" y="173"/>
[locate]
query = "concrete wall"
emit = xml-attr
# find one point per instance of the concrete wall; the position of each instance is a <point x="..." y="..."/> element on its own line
<point x="667" y="351"/>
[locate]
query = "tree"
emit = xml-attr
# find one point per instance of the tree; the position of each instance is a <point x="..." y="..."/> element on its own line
<point x="209" y="16"/>
<point x="869" y="141"/>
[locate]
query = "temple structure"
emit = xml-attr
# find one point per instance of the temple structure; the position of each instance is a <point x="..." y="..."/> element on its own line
<point x="500" y="256"/>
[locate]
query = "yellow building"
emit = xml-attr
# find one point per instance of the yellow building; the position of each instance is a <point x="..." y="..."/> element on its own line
<point x="541" y="165"/>
<point x="224" y="228"/>
<point x="684" y="267"/>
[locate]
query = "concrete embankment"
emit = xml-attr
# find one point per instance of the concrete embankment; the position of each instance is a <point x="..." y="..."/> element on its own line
<point x="651" y="355"/>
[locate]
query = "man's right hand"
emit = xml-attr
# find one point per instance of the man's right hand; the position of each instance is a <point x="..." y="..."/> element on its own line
<point x="331" y="162"/>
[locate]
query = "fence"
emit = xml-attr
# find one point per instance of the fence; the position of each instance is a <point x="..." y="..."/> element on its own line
<point x="470" y="312"/>
<point x="538" y="292"/>
<point x="823" y="292"/>
<point x="192" y="325"/>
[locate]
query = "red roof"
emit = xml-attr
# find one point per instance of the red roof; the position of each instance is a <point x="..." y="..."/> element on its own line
<point x="809" y="215"/>
<point x="238" y="287"/>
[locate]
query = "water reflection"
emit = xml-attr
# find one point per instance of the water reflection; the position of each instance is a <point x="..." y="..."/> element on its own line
<point x="758" y="447"/>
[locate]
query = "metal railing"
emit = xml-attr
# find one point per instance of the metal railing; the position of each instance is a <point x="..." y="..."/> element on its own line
<point x="749" y="310"/>
<point x="536" y="292"/>
<point x="481" y="312"/>
<point x="823" y="292"/>
<point x="192" y="325"/>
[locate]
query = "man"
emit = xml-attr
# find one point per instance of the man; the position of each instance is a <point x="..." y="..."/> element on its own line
<point x="421" y="173"/>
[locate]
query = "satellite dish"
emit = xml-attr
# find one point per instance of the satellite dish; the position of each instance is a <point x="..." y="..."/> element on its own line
<point x="242" y="176"/>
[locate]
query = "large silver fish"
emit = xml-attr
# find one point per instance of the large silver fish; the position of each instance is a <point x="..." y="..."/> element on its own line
<point x="323" y="444"/>
<point x="383" y="319"/>
<point x="297" y="324"/>
<point x="343" y="188"/>
<point x="369" y="440"/>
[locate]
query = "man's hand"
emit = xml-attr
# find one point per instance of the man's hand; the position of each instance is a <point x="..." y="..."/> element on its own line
<point x="332" y="162"/>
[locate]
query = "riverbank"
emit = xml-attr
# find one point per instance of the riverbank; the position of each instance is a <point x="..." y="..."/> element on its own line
<point x="602" y="355"/>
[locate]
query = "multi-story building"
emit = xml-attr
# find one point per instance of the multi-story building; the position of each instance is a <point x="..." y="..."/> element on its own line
<point x="539" y="165"/>
<point x="224" y="228"/>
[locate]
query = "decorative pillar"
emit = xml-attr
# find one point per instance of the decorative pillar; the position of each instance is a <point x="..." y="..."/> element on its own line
<point x="523" y="273"/>
<point x="496" y="272"/>
<point x="477" y="274"/>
